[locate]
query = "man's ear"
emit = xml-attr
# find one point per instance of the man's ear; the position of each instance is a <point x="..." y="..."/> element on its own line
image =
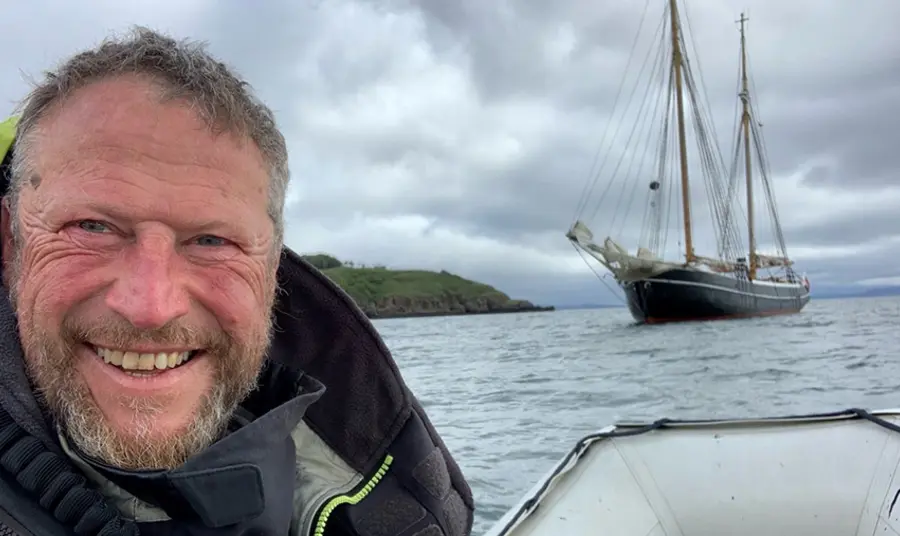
<point x="6" y="236"/>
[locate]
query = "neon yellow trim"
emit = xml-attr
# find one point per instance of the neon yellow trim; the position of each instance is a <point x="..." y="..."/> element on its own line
<point x="351" y="499"/>
<point x="7" y="134"/>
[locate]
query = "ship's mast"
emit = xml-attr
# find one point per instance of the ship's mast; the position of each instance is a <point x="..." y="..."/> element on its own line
<point x="745" y="125"/>
<point x="677" y="62"/>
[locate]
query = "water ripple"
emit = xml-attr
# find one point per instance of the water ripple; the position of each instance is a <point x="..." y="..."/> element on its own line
<point x="511" y="393"/>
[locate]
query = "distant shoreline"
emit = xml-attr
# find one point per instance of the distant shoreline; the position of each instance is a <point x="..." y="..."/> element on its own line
<point x="383" y="292"/>
<point x="432" y="314"/>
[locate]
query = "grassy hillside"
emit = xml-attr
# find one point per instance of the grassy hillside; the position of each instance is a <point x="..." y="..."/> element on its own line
<point x="386" y="293"/>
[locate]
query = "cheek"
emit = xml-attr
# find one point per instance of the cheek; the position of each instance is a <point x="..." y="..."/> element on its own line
<point x="239" y="303"/>
<point x="51" y="282"/>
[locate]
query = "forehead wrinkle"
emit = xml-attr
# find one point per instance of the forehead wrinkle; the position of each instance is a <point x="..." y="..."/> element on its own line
<point x="142" y="171"/>
<point x="106" y="108"/>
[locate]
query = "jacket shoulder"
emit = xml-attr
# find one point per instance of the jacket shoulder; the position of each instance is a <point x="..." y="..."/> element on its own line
<point x="416" y="491"/>
<point x="368" y="416"/>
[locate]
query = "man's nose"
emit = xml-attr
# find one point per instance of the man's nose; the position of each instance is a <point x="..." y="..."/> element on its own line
<point x="149" y="291"/>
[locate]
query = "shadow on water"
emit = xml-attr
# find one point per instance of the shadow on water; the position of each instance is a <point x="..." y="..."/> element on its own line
<point x="511" y="393"/>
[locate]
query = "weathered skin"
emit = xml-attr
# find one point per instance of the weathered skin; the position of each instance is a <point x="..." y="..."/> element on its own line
<point x="142" y="214"/>
<point x="128" y="240"/>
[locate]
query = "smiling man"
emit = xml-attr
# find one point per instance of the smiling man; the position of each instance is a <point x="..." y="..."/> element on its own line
<point x="168" y="366"/>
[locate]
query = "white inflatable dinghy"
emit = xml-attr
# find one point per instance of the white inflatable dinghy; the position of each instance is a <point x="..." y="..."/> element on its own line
<point x="830" y="474"/>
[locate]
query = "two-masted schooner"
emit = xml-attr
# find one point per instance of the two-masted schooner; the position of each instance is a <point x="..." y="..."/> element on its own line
<point x="738" y="280"/>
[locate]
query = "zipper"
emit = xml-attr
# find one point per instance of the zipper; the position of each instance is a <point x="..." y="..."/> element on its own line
<point x="334" y="502"/>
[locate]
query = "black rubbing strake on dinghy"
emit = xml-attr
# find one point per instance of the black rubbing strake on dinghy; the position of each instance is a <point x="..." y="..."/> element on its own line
<point x="586" y="442"/>
<point x="52" y="481"/>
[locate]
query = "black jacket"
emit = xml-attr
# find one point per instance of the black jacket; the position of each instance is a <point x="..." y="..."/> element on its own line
<point x="332" y="443"/>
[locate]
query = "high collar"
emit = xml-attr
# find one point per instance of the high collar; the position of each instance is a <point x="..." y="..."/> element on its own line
<point x="241" y="480"/>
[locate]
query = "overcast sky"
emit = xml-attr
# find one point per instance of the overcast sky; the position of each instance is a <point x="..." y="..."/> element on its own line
<point x="459" y="134"/>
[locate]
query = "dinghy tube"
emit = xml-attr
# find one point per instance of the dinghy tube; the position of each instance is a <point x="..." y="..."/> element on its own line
<point x="829" y="474"/>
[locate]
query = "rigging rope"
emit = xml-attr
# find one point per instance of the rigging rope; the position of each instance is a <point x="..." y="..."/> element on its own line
<point x="659" y="33"/>
<point x="599" y="276"/>
<point x="632" y="175"/>
<point x="590" y="183"/>
<point x="647" y="108"/>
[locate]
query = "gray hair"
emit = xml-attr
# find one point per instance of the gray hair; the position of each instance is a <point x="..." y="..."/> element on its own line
<point x="185" y="71"/>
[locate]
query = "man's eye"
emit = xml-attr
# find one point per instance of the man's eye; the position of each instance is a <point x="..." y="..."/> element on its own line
<point x="93" y="226"/>
<point x="210" y="241"/>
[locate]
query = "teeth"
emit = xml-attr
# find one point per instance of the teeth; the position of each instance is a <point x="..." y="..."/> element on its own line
<point x="136" y="361"/>
<point x="130" y="361"/>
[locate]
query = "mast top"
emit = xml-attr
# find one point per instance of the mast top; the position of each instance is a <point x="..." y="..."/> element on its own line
<point x="741" y="21"/>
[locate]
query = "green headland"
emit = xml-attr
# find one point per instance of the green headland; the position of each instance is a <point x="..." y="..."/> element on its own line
<point x="386" y="293"/>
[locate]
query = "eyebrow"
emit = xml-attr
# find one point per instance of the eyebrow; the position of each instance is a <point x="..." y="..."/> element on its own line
<point x="197" y="226"/>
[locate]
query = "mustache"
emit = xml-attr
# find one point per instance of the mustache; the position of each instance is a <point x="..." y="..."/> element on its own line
<point x="115" y="332"/>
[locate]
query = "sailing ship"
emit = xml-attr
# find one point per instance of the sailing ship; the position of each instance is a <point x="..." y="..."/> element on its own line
<point x="738" y="280"/>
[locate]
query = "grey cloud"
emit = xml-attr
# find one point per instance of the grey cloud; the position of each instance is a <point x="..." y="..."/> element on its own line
<point x="504" y="49"/>
<point x="507" y="43"/>
<point x="265" y="43"/>
<point x="855" y="128"/>
<point x="857" y="229"/>
<point x="832" y="273"/>
<point x="562" y="290"/>
<point x="819" y="108"/>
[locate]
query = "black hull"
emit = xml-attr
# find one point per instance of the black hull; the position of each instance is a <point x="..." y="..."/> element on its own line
<point x="682" y="294"/>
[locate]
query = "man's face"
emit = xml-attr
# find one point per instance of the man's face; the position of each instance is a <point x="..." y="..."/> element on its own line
<point x="144" y="278"/>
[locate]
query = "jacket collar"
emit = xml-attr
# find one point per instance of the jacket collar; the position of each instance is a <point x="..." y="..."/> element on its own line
<point x="239" y="481"/>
